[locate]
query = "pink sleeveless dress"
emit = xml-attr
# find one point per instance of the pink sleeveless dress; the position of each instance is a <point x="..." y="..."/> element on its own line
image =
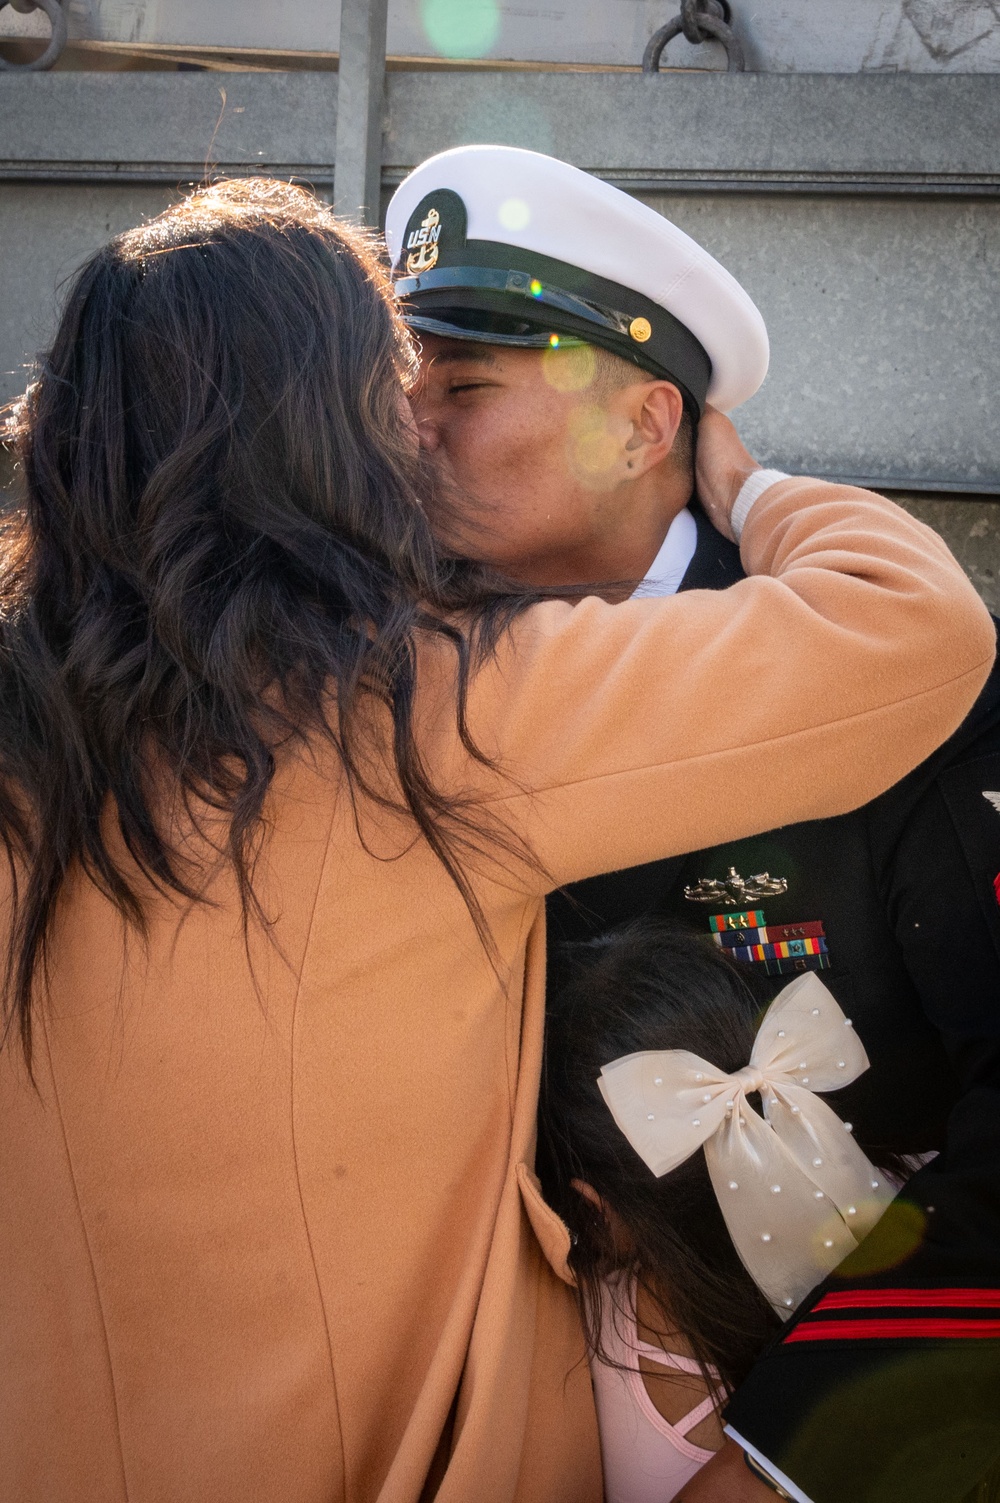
<point x="646" y="1459"/>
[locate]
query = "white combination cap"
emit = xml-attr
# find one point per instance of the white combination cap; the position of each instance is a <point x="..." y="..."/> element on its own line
<point x="505" y="246"/>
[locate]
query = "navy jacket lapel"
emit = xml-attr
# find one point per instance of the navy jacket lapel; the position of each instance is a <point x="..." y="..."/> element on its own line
<point x="602" y="902"/>
<point x="716" y="563"/>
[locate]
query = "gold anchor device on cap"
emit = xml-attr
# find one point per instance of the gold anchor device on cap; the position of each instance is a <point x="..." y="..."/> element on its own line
<point x="508" y="247"/>
<point x="422" y="244"/>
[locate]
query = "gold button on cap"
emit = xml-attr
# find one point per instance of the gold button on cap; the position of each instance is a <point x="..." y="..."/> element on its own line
<point x="640" y="329"/>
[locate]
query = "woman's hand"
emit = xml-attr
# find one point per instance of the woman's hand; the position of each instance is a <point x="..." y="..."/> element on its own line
<point x="726" y="1478"/>
<point x="721" y="466"/>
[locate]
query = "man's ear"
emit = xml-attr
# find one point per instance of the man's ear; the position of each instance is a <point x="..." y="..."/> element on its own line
<point x="656" y="414"/>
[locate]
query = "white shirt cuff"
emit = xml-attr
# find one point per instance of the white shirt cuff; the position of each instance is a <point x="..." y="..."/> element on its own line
<point x="769" y="1466"/>
<point x="755" y="485"/>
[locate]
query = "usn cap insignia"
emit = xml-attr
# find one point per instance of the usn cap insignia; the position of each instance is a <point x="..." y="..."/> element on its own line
<point x="422" y="244"/>
<point x="438" y="224"/>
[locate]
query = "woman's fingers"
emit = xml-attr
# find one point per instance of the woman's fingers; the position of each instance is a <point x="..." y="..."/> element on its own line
<point x="722" y="465"/>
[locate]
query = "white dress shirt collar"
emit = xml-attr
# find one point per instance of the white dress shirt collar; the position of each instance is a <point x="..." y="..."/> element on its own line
<point x="671" y="563"/>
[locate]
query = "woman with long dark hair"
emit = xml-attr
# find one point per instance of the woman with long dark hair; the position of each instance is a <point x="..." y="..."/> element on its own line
<point x="282" y="790"/>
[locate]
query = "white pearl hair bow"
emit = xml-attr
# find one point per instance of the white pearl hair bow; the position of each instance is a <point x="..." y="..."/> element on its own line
<point x="797" y="1192"/>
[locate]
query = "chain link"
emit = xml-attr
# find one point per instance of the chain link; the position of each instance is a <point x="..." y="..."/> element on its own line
<point x="57" y="41"/>
<point x="699" y="21"/>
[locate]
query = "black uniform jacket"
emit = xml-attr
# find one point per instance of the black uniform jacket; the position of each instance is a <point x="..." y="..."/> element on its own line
<point x="886" y="1383"/>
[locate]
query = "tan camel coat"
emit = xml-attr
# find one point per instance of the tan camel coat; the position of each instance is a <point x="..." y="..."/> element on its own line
<point x="264" y="1236"/>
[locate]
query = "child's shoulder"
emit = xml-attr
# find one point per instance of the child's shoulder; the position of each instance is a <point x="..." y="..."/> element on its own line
<point x="638" y="1336"/>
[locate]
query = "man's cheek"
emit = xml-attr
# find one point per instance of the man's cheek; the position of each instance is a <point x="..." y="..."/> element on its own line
<point x="467" y="443"/>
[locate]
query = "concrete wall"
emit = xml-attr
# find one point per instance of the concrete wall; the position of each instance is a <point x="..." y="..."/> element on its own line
<point x="46" y="233"/>
<point x="972" y="531"/>
<point x="883" y="316"/>
<point x="779" y="36"/>
<point x="862" y="214"/>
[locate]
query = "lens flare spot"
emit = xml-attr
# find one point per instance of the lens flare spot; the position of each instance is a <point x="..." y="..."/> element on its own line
<point x="568" y="367"/>
<point x="897" y="1235"/>
<point x="535" y="287"/>
<point x="514" y="214"/>
<point x="461" y="28"/>
<point x="593" y="447"/>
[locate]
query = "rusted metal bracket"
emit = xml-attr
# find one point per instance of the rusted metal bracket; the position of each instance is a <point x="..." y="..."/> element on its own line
<point x="57" y="41"/>
<point x="699" y="21"/>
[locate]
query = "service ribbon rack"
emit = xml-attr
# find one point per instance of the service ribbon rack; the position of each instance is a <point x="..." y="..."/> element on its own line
<point x="777" y="949"/>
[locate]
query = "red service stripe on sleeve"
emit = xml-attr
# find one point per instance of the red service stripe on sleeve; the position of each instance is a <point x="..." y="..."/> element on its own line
<point x="870" y="1330"/>
<point x="858" y="1299"/>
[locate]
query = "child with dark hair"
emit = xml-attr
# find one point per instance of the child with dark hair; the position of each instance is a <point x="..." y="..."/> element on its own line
<point x="706" y="1185"/>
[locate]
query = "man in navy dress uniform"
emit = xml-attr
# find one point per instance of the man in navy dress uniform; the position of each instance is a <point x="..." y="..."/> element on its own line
<point x="571" y="339"/>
